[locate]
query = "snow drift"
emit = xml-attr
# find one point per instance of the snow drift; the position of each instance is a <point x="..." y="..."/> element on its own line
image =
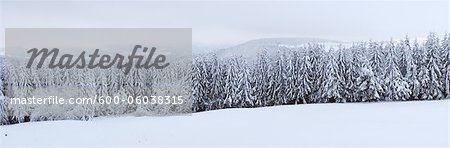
<point x="393" y="124"/>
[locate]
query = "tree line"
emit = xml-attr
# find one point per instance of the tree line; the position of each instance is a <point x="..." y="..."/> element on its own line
<point x="369" y="71"/>
<point x="17" y="81"/>
<point x="364" y="72"/>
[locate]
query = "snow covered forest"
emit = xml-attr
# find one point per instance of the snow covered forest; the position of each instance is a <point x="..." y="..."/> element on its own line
<point x="365" y="72"/>
<point x="21" y="82"/>
<point x="369" y="71"/>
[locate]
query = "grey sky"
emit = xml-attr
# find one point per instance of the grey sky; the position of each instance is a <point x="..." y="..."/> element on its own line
<point x="174" y="43"/>
<point x="232" y="22"/>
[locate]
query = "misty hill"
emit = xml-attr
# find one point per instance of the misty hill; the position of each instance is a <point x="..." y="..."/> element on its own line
<point x="251" y="48"/>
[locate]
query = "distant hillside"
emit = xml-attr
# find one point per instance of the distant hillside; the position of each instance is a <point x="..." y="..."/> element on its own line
<point x="251" y="48"/>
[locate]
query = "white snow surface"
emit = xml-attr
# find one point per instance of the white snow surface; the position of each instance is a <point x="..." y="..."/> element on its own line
<point x="388" y="124"/>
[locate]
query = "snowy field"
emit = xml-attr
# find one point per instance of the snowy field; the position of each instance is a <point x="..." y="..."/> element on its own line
<point x="395" y="124"/>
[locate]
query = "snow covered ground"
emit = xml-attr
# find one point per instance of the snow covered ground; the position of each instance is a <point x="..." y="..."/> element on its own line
<point x="394" y="124"/>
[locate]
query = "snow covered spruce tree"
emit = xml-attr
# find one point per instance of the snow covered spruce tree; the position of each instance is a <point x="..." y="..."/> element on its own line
<point x="305" y="80"/>
<point x="419" y="73"/>
<point x="344" y="70"/>
<point x="376" y="61"/>
<point x="239" y="91"/>
<point x="369" y="87"/>
<point x="279" y="76"/>
<point x="432" y="62"/>
<point x="333" y="84"/>
<point x="246" y="93"/>
<point x="354" y="73"/>
<point x="198" y="85"/>
<point x="231" y="83"/>
<point x="317" y="53"/>
<point x="397" y="89"/>
<point x="261" y="78"/>
<point x="293" y="78"/>
<point x="217" y="81"/>
<point x="408" y="67"/>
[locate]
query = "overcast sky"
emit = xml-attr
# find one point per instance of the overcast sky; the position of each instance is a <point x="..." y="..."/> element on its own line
<point x="231" y="22"/>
